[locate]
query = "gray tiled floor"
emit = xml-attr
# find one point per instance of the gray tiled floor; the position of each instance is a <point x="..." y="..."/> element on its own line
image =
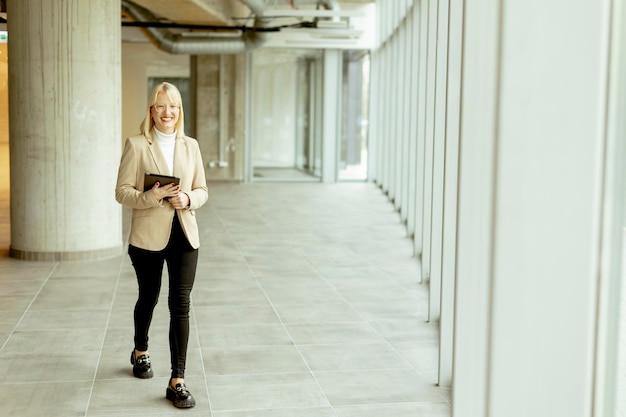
<point x="306" y="305"/>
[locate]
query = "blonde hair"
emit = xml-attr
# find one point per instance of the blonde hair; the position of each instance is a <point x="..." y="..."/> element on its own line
<point x="173" y="94"/>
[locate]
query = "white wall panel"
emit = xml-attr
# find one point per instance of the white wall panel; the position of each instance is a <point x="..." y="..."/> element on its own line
<point x="393" y="106"/>
<point x="421" y="131"/>
<point x="274" y="114"/>
<point x="439" y="142"/>
<point x="373" y="143"/>
<point x="332" y="108"/>
<point x="412" y="119"/>
<point x="399" y="177"/>
<point x="405" y="118"/>
<point x="530" y="207"/>
<point x="448" y="261"/>
<point x="429" y="125"/>
<point x="384" y="124"/>
<point x="474" y="239"/>
<point x="609" y="387"/>
<point x="547" y="207"/>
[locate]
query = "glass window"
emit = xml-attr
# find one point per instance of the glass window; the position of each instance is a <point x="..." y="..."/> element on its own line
<point x="354" y="125"/>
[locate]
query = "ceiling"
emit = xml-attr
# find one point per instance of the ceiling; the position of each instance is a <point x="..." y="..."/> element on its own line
<point x="205" y="12"/>
<point x="215" y="12"/>
<point x="294" y="21"/>
<point x="290" y="15"/>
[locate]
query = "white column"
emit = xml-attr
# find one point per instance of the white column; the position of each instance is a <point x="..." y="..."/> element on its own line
<point x="420" y="126"/>
<point x="532" y="176"/>
<point x="413" y="223"/>
<point x="332" y="113"/>
<point x="429" y="125"/>
<point x="406" y="115"/>
<point x="397" y="108"/>
<point x="474" y="241"/>
<point x="375" y="98"/>
<point x="448" y="261"/>
<point x="391" y="136"/>
<point x="439" y="146"/>
<point x="611" y="273"/>
<point x="65" y="134"/>
<point x="385" y="115"/>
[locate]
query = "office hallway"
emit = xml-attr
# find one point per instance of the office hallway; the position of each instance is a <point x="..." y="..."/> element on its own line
<point x="306" y="305"/>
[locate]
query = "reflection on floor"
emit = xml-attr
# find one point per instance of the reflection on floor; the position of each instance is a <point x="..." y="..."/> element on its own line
<point x="306" y="305"/>
<point x="621" y="381"/>
<point x="282" y="174"/>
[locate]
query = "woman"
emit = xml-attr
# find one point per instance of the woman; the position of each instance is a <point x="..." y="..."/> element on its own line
<point x="163" y="228"/>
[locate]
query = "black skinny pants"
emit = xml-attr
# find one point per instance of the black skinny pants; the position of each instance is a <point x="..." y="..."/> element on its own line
<point x="181" y="260"/>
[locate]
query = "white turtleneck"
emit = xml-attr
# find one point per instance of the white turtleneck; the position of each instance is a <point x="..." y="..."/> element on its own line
<point x="167" y="141"/>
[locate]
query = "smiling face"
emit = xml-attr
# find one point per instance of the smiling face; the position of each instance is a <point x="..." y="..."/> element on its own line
<point x="165" y="114"/>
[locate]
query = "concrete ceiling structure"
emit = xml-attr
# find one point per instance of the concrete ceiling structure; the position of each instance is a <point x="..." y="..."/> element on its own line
<point x="283" y="23"/>
<point x="221" y="12"/>
<point x="342" y="24"/>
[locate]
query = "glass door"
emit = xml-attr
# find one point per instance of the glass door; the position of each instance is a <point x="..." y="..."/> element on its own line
<point x="354" y="126"/>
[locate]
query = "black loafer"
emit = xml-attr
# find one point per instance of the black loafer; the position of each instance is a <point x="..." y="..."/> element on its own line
<point x="180" y="396"/>
<point x="142" y="368"/>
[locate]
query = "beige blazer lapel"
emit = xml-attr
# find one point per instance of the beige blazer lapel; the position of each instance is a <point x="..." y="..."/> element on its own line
<point x="180" y="157"/>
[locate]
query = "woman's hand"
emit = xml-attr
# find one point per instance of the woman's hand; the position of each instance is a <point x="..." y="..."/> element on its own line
<point x="167" y="191"/>
<point x="180" y="201"/>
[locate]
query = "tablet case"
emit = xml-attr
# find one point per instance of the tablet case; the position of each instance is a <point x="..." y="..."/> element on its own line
<point x="150" y="179"/>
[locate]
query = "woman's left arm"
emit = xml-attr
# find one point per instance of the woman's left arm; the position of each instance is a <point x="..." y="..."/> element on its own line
<point x="199" y="193"/>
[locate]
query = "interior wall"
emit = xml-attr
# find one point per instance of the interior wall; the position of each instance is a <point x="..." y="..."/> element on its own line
<point x="139" y="62"/>
<point x="4" y="94"/>
<point x="5" y="230"/>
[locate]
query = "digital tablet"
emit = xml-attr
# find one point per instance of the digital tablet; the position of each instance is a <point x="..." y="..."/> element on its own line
<point x="150" y="179"/>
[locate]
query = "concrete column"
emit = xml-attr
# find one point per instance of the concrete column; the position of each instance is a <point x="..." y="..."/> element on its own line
<point x="205" y="69"/>
<point x="219" y="111"/>
<point x="532" y="191"/>
<point x="65" y="117"/>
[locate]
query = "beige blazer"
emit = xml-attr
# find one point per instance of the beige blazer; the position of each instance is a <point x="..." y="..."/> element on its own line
<point x="152" y="219"/>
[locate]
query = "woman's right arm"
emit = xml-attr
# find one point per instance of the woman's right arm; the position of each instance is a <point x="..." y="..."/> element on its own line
<point x="126" y="191"/>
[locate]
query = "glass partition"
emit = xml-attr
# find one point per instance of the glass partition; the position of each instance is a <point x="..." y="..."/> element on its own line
<point x="354" y="129"/>
<point x="286" y="111"/>
<point x="285" y="103"/>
